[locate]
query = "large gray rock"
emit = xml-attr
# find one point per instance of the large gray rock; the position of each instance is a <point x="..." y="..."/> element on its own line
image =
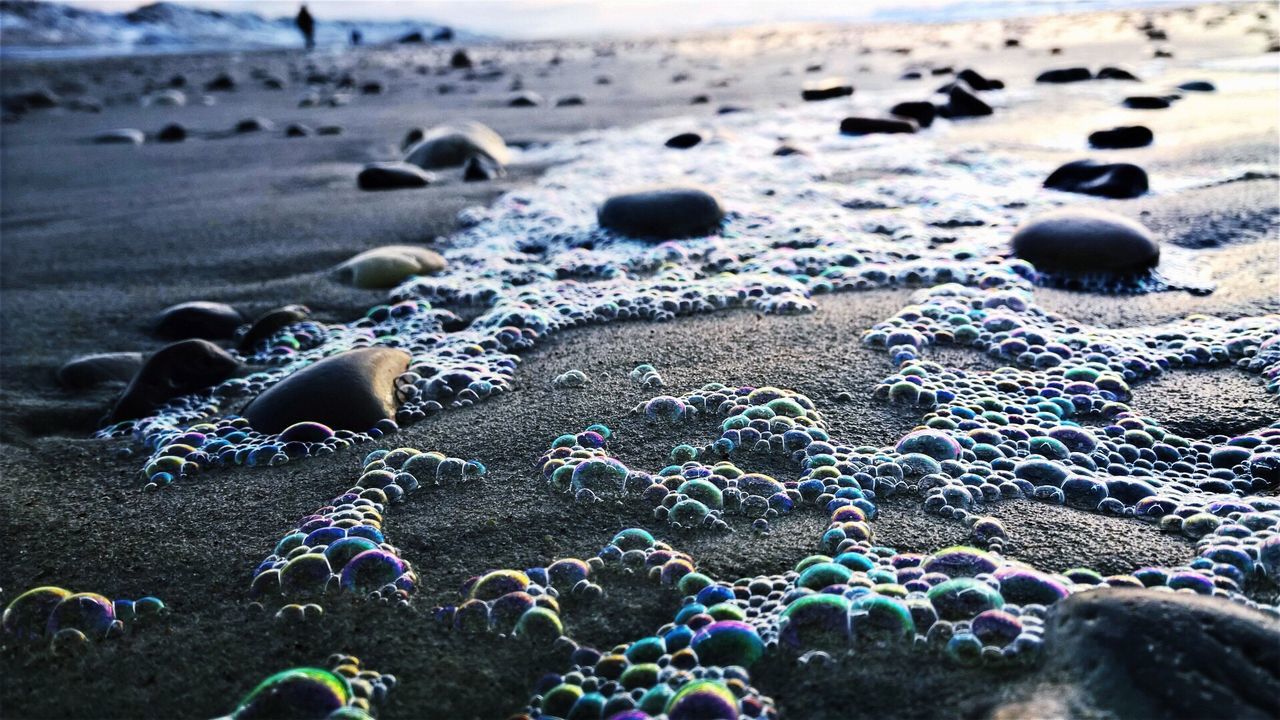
<point x="452" y="145"/>
<point x="351" y="391"/>
<point x="1085" y="241"/>
<point x="662" y="214"/>
<point x="1148" y="654"/>
<point x="173" y="370"/>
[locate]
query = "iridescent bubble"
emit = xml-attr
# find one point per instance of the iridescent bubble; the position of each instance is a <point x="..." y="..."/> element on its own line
<point x="963" y="598"/>
<point x="306" y="575"/>
<point x="297" y="693"/>
<point x="90" y="613"/>
<point x="815" y="621"/>
<point x="728" y="642"/>
<point x="935" y="444"/>
<point x="498" y="583"/>
<point x="701" y="700"/>
<point x="370" y="571"/>
<point x="27" y="616"/>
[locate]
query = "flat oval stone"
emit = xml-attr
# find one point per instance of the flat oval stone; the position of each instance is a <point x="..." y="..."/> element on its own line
<point x="350" y="391"/>
<point x="89" y="371"/>
<point x="872" y="126"/>
<point x="1197" y="86"/>
<point x="570" y="101"/>
<point x="1146" y="102"/>
<point x="198" y="319"/>
<point x="388" y="266"/>
<point x="664" y="214"/>
<point x="1065" y="75"/>
<point x="1128" y="136"/>
<point x="393" y="176"/>
<point x="826" y="89"/>
<point x="173" y="370"/>
<point x="1085" y="241"/>
<point x="683" y="141"/>
<point x="452" y="145"/>
<point x="1089" y="177"/>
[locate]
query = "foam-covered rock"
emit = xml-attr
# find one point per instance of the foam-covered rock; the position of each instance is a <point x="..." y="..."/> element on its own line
<point x="662" y="214"/>
<point x="350" y="391"/>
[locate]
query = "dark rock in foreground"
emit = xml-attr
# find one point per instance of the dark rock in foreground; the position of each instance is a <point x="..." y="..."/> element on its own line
<point x="826" y="89"/>
<point x="871" y="126"/>
<point x="1197" y="86"/>
<point x="665" y="214"/>
<point x="1128" y="136"/>
<point x="198" y="319"/>
<point x="89" y="371"/>
<point x="1148" y="654"/>
<point x="1089" y="177"/>
<point x="392" y="176"/>
<point x="1085" y="241"/>
<point x="351" y="391"/>
<point x="174" y="370"/>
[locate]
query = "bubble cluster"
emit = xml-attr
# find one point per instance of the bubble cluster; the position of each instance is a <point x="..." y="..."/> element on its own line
<point x="345" y="691"/>
<point x="571" y="379"/>
<point x="341" y="549"/>
<point x="646" y="376"/>
<point x="69" y="621"/>
<point x="965" y="605"/>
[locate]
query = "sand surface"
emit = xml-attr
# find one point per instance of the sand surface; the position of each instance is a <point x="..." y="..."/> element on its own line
<point x="98" y="238"/>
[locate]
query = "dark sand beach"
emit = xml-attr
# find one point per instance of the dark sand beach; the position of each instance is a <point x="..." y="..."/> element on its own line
<point x="99" y="238"/>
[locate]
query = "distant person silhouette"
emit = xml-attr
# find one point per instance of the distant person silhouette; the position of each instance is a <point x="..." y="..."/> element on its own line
<point x="307" y="25"/>
<point x="356" y="38"/>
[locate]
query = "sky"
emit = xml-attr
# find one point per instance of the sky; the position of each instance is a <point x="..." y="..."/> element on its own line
<point x="567" y="18"/>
